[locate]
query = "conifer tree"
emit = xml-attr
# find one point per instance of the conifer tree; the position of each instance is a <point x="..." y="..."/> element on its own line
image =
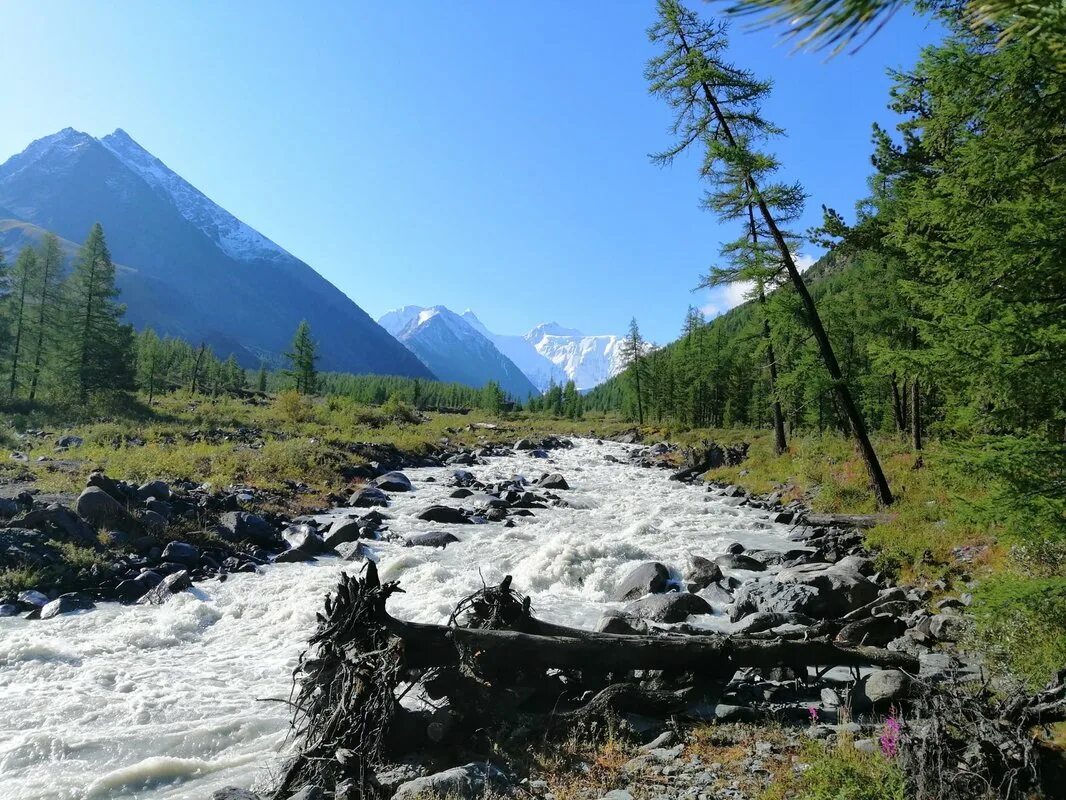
<point x="717" y="106"/>
<point x="24" y="277"/>
<point x="48" y="300"/>
<point x="571" y="401"/>
<point x="632" y="354"/>
<point x="98" y="346"/>
<point x="302" y="358"/>
<point x="261" y="378"/>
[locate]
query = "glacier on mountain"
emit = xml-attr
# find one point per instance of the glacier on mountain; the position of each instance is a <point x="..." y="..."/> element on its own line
<point x="549" y="353"/>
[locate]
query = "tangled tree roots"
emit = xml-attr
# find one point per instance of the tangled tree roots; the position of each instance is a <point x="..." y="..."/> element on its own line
<point x="971" y="741"/>
<point x="344" y="689"/>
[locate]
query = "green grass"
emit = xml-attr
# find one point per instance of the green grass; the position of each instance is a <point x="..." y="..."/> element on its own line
<point x="840" y="772"/>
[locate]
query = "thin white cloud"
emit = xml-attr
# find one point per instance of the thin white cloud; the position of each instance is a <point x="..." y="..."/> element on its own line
<point x="723" y="298"/>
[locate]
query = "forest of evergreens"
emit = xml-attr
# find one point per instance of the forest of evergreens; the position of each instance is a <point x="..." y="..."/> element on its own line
<point x="943" y="297"/>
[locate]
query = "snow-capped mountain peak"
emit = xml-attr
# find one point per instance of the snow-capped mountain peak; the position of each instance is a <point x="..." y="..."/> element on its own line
<point x="234" y="238"/>
<point x="549" y="353"/>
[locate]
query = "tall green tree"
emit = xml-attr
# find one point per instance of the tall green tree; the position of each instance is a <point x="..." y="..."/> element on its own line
<point x="302" y="357"/>
<point x="261" y="378"/>
<point x="716" y="106"/>
<point x="98" y="347"/>
<point x="48" y="301"/>
<point x="633" y="357"/>
<point x="25" y="275"/>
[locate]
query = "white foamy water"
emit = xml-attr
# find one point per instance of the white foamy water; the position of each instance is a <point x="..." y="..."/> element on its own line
<point x="164" y="702"/>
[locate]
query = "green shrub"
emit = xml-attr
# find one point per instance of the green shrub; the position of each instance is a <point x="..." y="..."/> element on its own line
<point x="841" y="773"/>
<point x="1021" y="625"/>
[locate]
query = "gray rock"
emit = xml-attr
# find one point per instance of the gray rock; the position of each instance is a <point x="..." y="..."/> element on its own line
<point x="439" y="539"/>
<point x="160" y="490"/>
<point x="702" y="572"/>
<point x="668" y="608"/>
<point x="947" y="627"/>
<point x="101" y="510"/>
<point x="445" y="515"/>
<point x="30" y="597"/>
<point x="739" y="561"/>
<point x="884" y="686"/>
<point x="8" y="609"/>
<point x="765" y="620"/>
<point x="876" y="631"/>
<point x="181" y="553"/>
<point x="343" y="531"/>
<point x="553" y="481"/>
<point x="305" y="539"/>
<point x="392" y="777"/>
<point x="66" y="603"/>
<point x="353" y="551"/>
<point x="614" y="621"/>
<point x="393" y="482"/>
<point x="650" y="577"/>
<point x="617" y="794"/>
<point x="841" y="586"/>
<point x="240" y="526"/>
<point x="458" y="783"/>
<point x="233" y="793"/>
<point x="729" y="713"/>
<point x="781" y="598"/>
<point x="170" y="585"/>
<point x="64" y="442"/>
<point x="369" y="497"/>
<point x="716" y="595"/>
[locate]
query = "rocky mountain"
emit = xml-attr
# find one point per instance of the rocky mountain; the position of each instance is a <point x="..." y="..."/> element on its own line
<point x="191" y="268"/>
<point x="454" y="350"/>
<point x="551" y="352"/>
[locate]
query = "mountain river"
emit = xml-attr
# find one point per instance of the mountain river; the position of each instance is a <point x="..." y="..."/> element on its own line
<point x="174" y="701"/>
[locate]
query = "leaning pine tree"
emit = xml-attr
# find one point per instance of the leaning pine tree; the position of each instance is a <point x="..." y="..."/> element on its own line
<point x="98" y="347"/>
<point x="717" y="106"/>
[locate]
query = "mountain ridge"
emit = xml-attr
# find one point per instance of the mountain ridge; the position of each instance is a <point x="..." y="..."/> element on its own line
<point x="195" y="270"/>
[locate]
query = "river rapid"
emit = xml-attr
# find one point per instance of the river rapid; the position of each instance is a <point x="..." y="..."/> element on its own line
<point x="177" y="700"/>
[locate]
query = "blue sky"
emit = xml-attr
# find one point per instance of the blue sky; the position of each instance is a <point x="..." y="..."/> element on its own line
<point x="490" y="155"/>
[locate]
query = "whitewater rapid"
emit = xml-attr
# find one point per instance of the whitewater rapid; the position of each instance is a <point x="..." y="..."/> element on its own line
<point x="175" y="701"/>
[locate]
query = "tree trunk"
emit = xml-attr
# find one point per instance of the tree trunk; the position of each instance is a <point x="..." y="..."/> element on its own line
<point x="780" y="443"/>
<point x="196" y="367"/>
<point x="878" y="482"/>
<point x="40" y="334"/>
<point x="897" y="406"/>
<point x="916" y="415"/>
<point x="560" y="647"/>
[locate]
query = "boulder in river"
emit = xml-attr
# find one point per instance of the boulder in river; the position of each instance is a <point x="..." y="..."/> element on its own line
<point x="674" y="607"/>
<point x="739" y="561"/>
<point x="393" y="482"/>
<point x="369" y="497"/>
<point x="66" y="603"/>
<point x="702" y="572"/>
<point x="553" y="481"/>
<point x="346" y="530"/>
<point x="305" y="539"/>
<point x="650" y="577"/>
<point x="445" y="515"/>
<point x="439" y="539"/>
<point x="170" y="585"/>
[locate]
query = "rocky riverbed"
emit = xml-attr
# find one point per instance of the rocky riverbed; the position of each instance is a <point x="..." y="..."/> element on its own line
<point x="169" y="694"/>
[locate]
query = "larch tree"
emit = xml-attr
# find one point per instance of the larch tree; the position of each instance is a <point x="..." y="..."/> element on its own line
<point x="632" y="353"/>
<point x="25" y="275"/>
<point x="302" y="357"/>
<point x="47" y="298"/>
<point x="717" y="107"/>
<point x="99" y="348"/>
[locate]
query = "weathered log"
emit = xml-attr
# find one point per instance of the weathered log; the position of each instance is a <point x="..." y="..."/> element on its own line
<point x="437" y="645"/>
